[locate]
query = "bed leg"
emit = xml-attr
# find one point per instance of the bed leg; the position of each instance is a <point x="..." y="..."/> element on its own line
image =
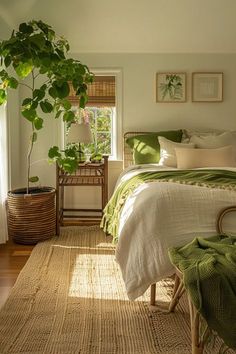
<point x="153" y="295"/>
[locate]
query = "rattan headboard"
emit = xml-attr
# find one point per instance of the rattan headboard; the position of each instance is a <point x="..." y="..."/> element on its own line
<point x="127" y="151"/>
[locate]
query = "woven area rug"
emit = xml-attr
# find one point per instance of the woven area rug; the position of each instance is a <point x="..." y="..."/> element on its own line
<point x="70" y="298"/>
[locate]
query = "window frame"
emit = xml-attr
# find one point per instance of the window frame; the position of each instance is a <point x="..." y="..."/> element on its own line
<point x="117" y="122"/>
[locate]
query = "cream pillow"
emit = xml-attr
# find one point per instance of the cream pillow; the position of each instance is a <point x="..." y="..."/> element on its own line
<point x="195" y="158"/>
<point x="167" y="151"/>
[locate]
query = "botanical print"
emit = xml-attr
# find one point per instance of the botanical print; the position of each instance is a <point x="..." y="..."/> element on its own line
<point x="170" y="87"/>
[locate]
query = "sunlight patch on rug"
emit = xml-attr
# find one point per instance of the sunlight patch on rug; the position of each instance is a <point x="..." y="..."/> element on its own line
<point x="93" y="276"/>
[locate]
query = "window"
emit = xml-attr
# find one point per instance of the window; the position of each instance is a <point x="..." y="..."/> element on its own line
<point x="101" y="112"/>
<point x="101" y="120"/>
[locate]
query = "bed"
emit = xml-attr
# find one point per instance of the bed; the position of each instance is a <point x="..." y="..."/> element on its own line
<point x="159" y="214"/>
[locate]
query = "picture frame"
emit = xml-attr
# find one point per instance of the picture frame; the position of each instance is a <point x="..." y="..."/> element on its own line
<point x="207" y="87"/>
<point x="171" y="87"/>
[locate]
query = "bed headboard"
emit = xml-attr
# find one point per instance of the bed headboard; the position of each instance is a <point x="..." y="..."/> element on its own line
<point x="127" y="151"/>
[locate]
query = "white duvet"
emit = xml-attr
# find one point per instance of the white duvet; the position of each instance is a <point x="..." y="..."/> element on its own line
<point x="159" y="215"/>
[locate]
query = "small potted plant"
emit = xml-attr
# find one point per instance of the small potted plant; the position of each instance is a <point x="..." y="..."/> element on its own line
<point x="35" y="53"/>
<point x="96" y="157"/>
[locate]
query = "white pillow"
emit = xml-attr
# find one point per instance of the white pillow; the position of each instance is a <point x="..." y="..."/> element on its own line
<point x="212" y="141"/>
<point x="167" y="151"/>
<point x="195" y="158"/>
<point x="187" y="134"/>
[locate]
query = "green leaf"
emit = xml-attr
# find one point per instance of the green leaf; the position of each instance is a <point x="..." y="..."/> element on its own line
<point x="23" y="69"/>
<point x="54" y="152"/>
<point x="7" y="61"/>
<point x="51" y="35"/>
<point x="26" y="101"/>
<point x="82" y="102"/>
<point x="62" y="89"/>
<point x="68" y="116"/>
<point x="34" y="104"/>
<point x="3" y="74"/>
<point x="77" y="82"/>
<point x="38" y="94"/>
<point x="38" y="40"/>
<point x="81" y="69"/>
<point x="43" y="70"/>
<point x="71" y="152"/>
<point x="43" y="87"/>
<point x="46" y="106"/>
<point x="24" y="28"/>
<point x="53" y="92"/>
<point x="60" y="53"/>
<point x="58" y="114"/>
<point x="33" y="179"/>
<point x="3" y="96"/>
<point x="43" y="26"/>
<point x="13" y="83"/>
<point x="38" y="123"/>
<point x="69" y="165"/>
<point x="29" y="114"/>
<point x="66" y="104"/>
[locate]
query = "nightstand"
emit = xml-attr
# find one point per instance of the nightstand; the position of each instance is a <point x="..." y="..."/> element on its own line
<point x="86" y="174"/>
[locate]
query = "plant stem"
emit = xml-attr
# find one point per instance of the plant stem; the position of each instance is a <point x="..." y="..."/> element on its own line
<point x="31" y="143"/>
<point x="20" y="83"/>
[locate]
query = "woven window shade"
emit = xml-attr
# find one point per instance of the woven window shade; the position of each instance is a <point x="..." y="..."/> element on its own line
<point x="102" y="92"/>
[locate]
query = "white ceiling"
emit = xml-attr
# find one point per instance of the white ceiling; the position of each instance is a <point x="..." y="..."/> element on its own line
<point x="151" y="26"/>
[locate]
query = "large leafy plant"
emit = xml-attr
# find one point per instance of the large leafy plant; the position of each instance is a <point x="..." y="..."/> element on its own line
<point x="35" y="57"/>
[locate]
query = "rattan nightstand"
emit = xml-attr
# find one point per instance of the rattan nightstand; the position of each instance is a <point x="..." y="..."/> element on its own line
<point x="86" y="174"/>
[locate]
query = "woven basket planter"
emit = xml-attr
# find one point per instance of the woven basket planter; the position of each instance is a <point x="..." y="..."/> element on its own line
<point x="31" y="217"/>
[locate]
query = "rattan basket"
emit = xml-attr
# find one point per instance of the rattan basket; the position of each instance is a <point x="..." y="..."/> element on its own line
<point x="31" y="217"/>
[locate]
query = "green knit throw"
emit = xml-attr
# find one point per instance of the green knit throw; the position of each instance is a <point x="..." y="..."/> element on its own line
<point x="209" y="275"/>
<point x="223" y="179"/>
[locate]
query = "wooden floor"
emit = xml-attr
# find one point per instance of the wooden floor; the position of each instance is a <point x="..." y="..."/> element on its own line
<point x="12" y="259"/>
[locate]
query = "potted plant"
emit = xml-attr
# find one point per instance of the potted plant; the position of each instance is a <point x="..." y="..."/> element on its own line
<point x="37" y="59"/>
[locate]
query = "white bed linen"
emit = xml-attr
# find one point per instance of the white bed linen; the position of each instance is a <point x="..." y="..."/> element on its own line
<point x="159" y="215"/>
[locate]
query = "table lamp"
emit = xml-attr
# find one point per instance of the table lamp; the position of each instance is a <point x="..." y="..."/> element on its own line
<point x="80" y="133"/>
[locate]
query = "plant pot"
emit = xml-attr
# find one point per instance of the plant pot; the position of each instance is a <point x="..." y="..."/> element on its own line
<point x="31" y="217"/>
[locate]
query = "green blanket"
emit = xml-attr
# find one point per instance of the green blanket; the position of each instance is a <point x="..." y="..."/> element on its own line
<point x="209" y="274"/>
<point x="208" y="178"/>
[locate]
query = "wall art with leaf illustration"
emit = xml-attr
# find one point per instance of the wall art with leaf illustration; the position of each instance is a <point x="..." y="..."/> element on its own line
<point x="171" y="87"/>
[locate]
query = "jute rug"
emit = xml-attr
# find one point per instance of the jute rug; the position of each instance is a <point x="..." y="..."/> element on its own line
<point x="70" y="298"/>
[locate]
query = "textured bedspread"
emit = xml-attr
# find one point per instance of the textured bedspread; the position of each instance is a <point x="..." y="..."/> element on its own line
<point x="157" y="216"/>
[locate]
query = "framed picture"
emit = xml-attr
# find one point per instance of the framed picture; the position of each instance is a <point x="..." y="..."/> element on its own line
<point x="207" y="87"/>
<point x="171" y="87"/>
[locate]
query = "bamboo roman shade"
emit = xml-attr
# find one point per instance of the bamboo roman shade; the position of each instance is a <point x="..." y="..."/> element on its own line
<point x="102" y="92"/>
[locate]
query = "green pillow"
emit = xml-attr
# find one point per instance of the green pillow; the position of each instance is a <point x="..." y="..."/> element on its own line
<point x="146" y="148"/>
